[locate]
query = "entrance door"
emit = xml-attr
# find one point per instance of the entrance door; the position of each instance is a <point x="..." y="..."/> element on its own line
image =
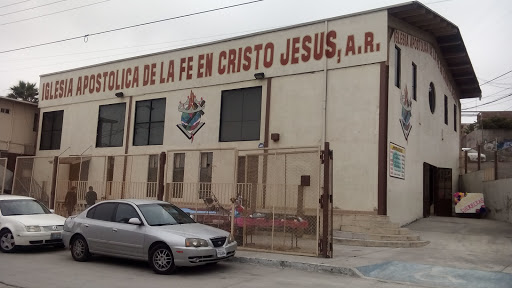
<point x="443" y="196"/>
<point x="437" y="190"/>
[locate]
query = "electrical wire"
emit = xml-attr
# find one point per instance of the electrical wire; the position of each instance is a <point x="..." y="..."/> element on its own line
<point x="41" y="16"/>
<point x="131" y="26"/>
<point x="32" y="8"/>
<point x="15" y="3"/>
<point x="496" y="78"/>
<point x="508" y="95"/>
<point x="31" y="59"/>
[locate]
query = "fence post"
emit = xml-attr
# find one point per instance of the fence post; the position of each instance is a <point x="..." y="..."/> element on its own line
<point x="54" y="182"/>
<point x="478" y="156"/>
<point x="496" y="165"/>
<point x="161" y="174"/>
<point x="466" y="162"/>
<point x="325" y="201"/>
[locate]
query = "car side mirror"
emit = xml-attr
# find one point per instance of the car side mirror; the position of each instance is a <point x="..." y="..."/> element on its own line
<point x="134" y="221"/>
<point x="53" y="211"/>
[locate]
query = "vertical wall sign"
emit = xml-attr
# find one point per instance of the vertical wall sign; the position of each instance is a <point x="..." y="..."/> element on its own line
<point x="405" y="120"/>
<point x="396" y="161"/>
<point x="191" y="112"/>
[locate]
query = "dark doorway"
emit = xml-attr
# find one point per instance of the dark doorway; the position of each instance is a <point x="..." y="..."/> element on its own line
<point x="437" y="191"/>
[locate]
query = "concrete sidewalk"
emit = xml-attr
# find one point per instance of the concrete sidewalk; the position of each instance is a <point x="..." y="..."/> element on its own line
<point x="458" y="246"/>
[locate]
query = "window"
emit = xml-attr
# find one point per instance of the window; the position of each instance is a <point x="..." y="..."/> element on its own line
<point x="110" y="130"/>
<point x="445" y="109"/>
<point x="240" y="115"/>
<point x="103" y="212"/>
<point x="51" y="131"/>
<point x="454" y="117"/>
<point x="205" y="175"/>
<point x="432" y="97"/>
<point x="35" y="124"/>
<point x="125" y="212"/>
<point x="178" y="175"/>
<point x="5" y="110"/>
<point x="414" y="80"/>
<point x="149" y="122"/>
<point x="398" y="64"/>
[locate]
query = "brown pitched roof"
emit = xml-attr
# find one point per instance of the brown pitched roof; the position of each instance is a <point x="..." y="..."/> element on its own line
<point x="449" y="40"/>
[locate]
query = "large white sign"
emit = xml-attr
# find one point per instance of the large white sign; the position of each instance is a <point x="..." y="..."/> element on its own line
<point x="396" y="161"/>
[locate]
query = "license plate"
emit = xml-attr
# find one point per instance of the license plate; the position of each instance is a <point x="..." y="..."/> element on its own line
<point x="221" y="252"/>
<point x="56" y="236"/>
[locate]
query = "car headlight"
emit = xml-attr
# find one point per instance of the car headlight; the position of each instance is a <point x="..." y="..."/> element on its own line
<point x="195" y="242"/>
<point x="33" y="228"/>
<point x="231" y="239"/>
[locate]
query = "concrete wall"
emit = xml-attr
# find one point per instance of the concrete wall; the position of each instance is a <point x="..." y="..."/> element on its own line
<point x="497" y="194"/>
<point x="16" y="128"/>
<point x="430" y="140"/>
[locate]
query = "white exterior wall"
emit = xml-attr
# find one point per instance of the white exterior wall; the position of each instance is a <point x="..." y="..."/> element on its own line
<point x="16" y="128"/>
<point x="297" y="101"/>
<point x="353" y="133"/>
<point x="430" y="139"/>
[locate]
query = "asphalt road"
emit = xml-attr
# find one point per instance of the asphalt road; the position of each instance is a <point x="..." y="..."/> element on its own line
<point x="54" y="268"/>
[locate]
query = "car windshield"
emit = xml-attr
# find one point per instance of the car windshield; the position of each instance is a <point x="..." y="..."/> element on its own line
<point x="160" y="214"/>
<point x="22" y="207"/>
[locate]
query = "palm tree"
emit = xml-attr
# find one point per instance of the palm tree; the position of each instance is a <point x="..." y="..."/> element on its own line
<point x="25" y="91"/>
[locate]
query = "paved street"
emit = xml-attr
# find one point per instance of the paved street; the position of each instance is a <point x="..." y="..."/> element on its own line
<point x="55" y="269"/>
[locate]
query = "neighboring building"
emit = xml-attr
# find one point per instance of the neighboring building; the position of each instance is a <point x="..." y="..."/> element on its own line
<point x="490" y="139"/>
<point x="383" y="87"/>
<point x="18" y="129"/>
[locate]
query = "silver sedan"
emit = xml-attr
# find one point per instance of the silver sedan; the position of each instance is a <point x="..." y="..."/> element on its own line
<point x="150" y="230"/>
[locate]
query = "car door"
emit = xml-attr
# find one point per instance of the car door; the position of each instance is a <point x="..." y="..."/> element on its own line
<point x="127" y="239"/>
<point x="97" y="227"/>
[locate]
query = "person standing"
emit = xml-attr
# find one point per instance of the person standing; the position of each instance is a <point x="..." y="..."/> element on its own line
<point x="71" y="200"/>
<point x="91" y="197"/>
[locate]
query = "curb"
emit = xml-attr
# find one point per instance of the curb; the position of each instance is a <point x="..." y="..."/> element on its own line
<point x="347" y="271"/>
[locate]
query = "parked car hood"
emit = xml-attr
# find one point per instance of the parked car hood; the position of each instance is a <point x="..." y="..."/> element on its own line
<point x="39" y="219"/>
<point x="193" y="230"/>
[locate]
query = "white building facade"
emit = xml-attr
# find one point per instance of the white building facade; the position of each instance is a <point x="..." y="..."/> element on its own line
<point x="375" y="85"/>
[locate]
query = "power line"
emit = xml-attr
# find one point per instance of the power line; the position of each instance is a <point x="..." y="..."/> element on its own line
<point x="489" y="102"/>
<point x="41" y="16"/>
<point x="48" y="4"/>
<point x="130" y="47"/>
<point x="496" y="78"/>
<point x="15" y="3"/>
<point x="132" y="26"/>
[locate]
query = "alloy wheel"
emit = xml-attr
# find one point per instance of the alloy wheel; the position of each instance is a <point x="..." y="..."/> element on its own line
<point x="7" y="241"/>
<point x="162" y="259"/>
<point x="78" y="248"/>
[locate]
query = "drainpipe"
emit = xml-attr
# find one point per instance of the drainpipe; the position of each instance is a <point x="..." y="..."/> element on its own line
<point x="324" y="128"/>
<point x="126" y="144"/>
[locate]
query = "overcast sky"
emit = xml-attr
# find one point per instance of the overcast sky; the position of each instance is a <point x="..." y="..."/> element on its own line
<point x="485" y="28"/>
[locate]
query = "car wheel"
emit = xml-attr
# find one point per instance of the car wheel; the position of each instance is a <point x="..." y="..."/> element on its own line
<point x="7" y="244"/>
<point x="80" y="249"/>
<point x="161" y="259"/>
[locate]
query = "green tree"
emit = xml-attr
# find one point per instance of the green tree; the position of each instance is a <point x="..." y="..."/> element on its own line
<point x="496" y="123"/>
<point x="25" y="91"/>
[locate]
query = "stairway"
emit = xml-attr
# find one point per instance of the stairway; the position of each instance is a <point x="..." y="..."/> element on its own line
<point x="374" y="231"/>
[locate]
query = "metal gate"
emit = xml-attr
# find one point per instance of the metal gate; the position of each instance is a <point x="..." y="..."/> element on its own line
<point x="33" y="177"/>
<point x="4" y="175"/>
<point x="270" y="199"/>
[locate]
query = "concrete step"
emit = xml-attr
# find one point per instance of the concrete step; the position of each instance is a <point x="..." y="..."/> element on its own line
<point x="380" y="243"/>
<point x="365" y="217"/>
<point x="375" y="230"/>
<point x="365" y="236"/>
<point x="369" y="223"/>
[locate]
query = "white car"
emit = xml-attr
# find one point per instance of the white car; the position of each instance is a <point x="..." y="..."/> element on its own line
<point x="24" y="221"/>
<point x="473" y="156"/>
